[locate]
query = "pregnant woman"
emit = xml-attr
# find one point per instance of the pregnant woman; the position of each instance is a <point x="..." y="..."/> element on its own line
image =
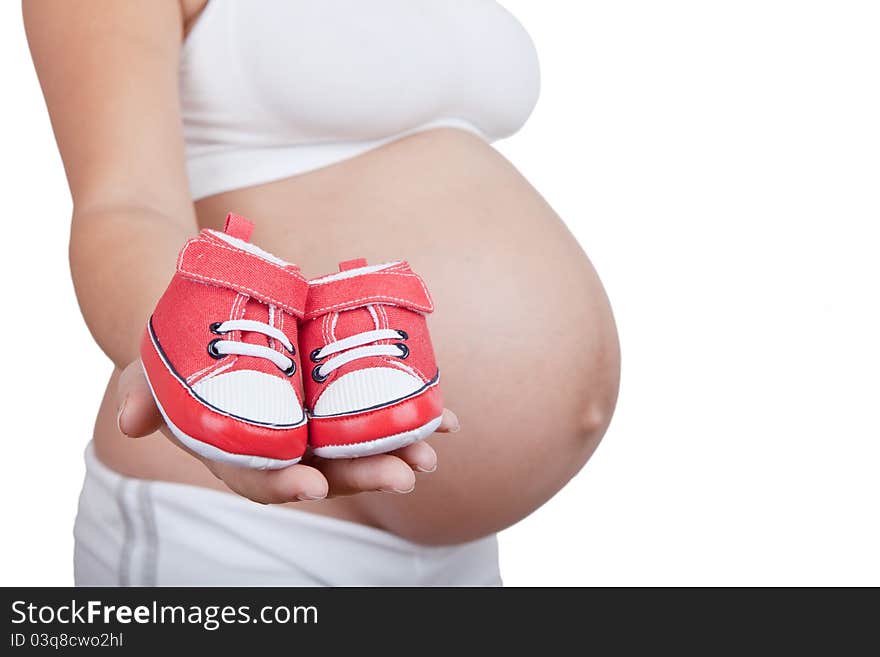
<point x="344" y="129"/>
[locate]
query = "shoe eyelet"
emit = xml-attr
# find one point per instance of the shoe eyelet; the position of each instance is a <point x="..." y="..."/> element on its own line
<point x="403" y="334"/>
<point x="290" y="371"/>
<point x="317" y="376"/>
<point x="404" y="350"/>
<point x="314" y="355"/>
<point x="215" y="328"/>
<point x="291" y="351"/>
<point x="212" y="349"/>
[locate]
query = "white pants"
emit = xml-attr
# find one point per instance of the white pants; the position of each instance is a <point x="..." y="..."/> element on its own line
<point x="135" y="532"/>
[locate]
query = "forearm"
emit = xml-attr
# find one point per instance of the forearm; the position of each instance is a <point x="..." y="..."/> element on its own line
<point x="121" y="259"/>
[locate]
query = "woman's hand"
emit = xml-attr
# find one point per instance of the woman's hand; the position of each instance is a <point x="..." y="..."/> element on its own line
<point x="133" y="210"/>
<point x="313" y="479"/>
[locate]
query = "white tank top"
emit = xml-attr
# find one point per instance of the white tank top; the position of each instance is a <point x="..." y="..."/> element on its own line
<point x="271" y="89"/>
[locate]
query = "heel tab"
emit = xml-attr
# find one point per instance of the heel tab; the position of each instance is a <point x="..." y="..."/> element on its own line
<point x="357" y="263"/>
<point x="239" y="227"/>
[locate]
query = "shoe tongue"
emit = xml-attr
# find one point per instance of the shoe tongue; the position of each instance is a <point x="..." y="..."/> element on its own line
<point x="357" y="263"/>
<point x="259" y="313"/>
<point x="357" y="320"/>
<point x="239" y="227"/>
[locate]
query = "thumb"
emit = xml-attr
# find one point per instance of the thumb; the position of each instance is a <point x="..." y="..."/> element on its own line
<point x="138" y="414"/>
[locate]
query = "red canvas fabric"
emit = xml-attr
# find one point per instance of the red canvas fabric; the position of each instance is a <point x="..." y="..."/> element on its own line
<point x="393" y="298"/>
<point x="352" y="264"/>
<point x="397" y="285"/>
<point x="216" y="282"/>
<point x="238" y="227"/>
<point x="209" y="259"/>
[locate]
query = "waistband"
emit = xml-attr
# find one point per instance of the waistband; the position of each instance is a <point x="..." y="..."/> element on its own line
<point x="202" y="502"/>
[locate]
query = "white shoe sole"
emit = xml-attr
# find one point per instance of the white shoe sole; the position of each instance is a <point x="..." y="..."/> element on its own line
<point x="380" y="445"/>
<point x="215" y="453"/>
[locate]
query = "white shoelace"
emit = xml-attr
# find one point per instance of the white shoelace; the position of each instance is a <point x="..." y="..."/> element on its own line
<point x="220" y="347"/>
<point x="355" y="347"/>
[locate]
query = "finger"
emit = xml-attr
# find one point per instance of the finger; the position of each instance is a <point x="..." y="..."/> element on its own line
<point x="449" y="423"/>
<point x="295" y="483"/>
<point x="420" y="456"/>
<point x="383" y="472"/>
<point x="138" y="414"/>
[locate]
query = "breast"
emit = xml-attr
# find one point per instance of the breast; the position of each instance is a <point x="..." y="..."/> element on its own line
<point x="265" y="74"/>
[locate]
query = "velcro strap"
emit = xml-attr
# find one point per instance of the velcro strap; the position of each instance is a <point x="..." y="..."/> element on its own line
<point x="209" y="261"/>
<point x="397" y="286"/>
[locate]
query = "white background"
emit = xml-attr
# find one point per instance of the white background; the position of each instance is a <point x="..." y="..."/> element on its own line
<point x="720" y="163"/>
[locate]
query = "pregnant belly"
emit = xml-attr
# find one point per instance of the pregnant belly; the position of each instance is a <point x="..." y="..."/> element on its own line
<point x="486" y="243"/>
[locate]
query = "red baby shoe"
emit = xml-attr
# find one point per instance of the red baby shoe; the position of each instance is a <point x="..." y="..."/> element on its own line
<point x="372" y="387"/>
<point x="220" y="354"/>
